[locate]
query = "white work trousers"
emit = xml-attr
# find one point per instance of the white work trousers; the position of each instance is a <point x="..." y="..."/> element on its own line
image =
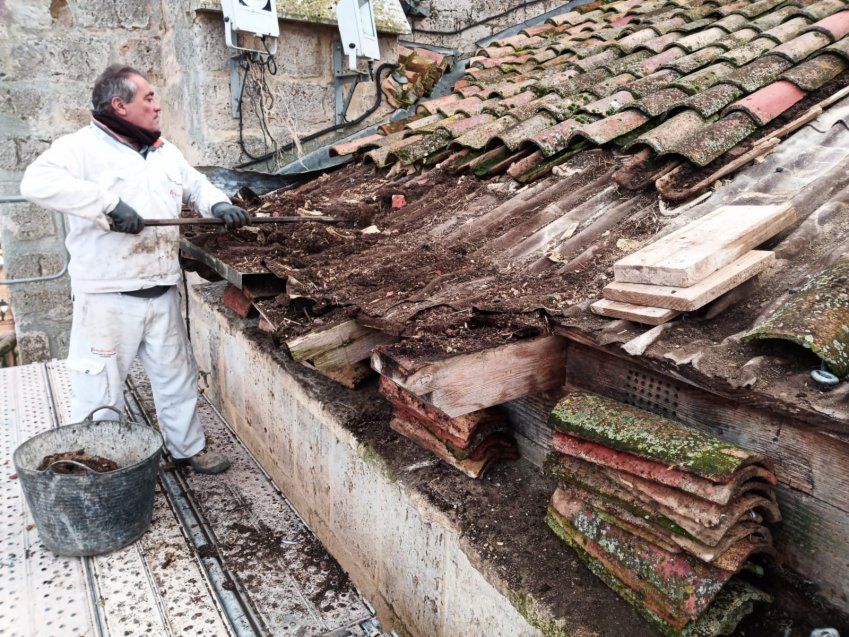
<point x="109" y="330"/>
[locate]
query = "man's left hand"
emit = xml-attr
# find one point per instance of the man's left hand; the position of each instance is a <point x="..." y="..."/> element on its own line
<point x="233" y="216"/>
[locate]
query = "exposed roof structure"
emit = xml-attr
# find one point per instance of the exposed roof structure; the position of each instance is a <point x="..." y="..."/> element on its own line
<point x="448" y="263"/>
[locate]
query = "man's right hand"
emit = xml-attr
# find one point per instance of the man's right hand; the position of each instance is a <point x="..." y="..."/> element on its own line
<point x="124" y="219"/>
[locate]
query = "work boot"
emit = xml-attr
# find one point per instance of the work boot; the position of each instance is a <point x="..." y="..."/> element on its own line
<point x="208" y="461"/>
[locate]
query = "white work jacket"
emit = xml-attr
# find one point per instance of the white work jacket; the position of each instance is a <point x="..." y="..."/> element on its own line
<point x="85" y="173"/>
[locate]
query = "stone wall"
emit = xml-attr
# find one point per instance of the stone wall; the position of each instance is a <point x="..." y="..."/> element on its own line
<point x="448" y="16"/>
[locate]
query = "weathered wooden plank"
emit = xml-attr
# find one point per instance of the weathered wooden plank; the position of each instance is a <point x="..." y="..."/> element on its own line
<point x="337" y="347"/>
<point x="469" y="382"/>
<point x="319" y="341"/>
<point x="691" y="253"/>
<point x="630" y="312"/>
<point x="697" y="295"/>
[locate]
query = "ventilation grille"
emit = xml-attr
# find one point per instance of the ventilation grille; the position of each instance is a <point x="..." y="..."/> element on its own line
<point x="650" y="393"/>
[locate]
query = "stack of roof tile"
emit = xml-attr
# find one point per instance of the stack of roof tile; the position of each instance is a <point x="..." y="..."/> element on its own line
<point x="681" y="80"/>
<point x="421" y="68"/>
<point x="470" y="443"/>
<point x="664" y="514"/>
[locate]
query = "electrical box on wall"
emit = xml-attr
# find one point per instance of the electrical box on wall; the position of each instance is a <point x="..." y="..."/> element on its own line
<point x="357" y="30"/>
<point x="253" y="17"/>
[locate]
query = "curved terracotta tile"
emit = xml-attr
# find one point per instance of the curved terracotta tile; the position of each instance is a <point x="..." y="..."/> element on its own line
<point x="460" y="126"/>
<point x="758" y="73"/>
<point x="787" y="30"/>
<point x="801" y="46"/>
<point x="696" y="60"/>
<point x="665" y="138"/>
<point x="840" y="49"/>
<point x="748" y="52"/>
<point x="774" y="18"/>
<point x="834" y="26"/>
<point x="516" y="136"/>
<point x="552" y="140"/>
<point x="660" y="102"/>
<point x="769" y="102"/>
<point x="813" y="74"/>
<point x="714" y="99"/>
<point x="716" y="139"/>
<point x="609" y="128"/>
<point x="822" y="9"/>
<point x="609" y="105"/>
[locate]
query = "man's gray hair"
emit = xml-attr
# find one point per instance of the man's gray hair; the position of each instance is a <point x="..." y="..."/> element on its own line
<point x="113" y="82"/>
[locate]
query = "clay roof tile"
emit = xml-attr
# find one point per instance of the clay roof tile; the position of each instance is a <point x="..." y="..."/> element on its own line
<point x="815" y="73"/>
<point x="704" y="78"/>
<point x="769" y="102"/>
<point x="552" y="140"/>
<point x="834" y="26"/>
<point x="516" y="136"/>
<point x="701" y="39"/>
<point x="714" y="99"/>
<point x="697" y="60"/>
<point x="748" y="52"/>
<point x="610" y="104"/>
<point x="655" y="62"/>
<point x="756" y="9"/>
<point x="665" y="138"/>
<point x="715" y="139"/>
<point x="660" y="102"/>
<point x="654" y="82"/>
<point x="840" y="48"/>
<point x="616" y="125"/>
<point x="758" y="73"/>
<point x="802" y="46"/>
<point x="787" y="30"/>
<point x="822" y="9"/>
<point x="732" y="23"/>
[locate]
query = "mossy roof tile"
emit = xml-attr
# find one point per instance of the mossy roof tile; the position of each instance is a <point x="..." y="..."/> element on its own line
<point x="660" y="102"/>
<point x="666" y="137"/>
<point x="758" y="73"/>
<point x="714" y="99"/>
<point x="813" y="74"/>
<point x="816" y="317"/>
<point x="802" y="46"/>
<point x="716" y="139"/>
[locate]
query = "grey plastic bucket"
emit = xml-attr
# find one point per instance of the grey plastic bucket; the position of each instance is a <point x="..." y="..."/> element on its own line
<point x="97" y="512"/>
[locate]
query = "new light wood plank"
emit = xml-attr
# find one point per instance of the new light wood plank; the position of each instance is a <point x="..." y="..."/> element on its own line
<point x="630" y="312"/>
<point x="695" y="296"/>
<point x="469" y="382"/>
<point x="700" y="248"/>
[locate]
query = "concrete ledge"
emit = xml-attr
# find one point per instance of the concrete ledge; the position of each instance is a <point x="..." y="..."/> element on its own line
<point x="437" y="554"/>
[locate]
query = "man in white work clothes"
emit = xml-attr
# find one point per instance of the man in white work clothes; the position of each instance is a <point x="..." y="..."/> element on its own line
<point x="108" y="178"/>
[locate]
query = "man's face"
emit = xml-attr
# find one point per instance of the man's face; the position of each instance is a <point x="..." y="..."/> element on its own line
<point x="143" y="110"/>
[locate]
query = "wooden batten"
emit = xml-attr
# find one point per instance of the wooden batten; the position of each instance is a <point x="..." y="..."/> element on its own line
<point x="631" y="312"/>
<point x="469" y="382"/>
<point x="705" y="245"/>
<point x="697" y="295"/>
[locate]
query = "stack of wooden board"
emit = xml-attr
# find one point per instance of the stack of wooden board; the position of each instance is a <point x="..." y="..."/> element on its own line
<point x="694" y="265"/>
<point x="470" y="443"/>
<point x="339" y="351"/>
<point x="664" y="514"/>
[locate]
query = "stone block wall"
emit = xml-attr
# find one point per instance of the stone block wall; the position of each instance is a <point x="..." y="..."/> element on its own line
<point x="448" y="16"/>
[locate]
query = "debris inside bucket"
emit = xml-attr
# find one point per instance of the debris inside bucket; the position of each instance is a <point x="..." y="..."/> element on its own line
<point x="95" y="463"/>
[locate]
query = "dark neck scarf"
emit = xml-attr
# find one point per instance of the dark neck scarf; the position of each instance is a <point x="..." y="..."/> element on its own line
<point x="140" y="136"/>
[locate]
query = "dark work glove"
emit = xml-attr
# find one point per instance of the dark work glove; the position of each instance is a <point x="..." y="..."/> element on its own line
<point x="234" y="217"/>
<point x="124" y="219"/>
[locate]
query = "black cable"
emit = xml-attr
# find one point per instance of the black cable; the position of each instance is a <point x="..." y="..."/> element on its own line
<point x="525" y="4"/>
<point x="324" y="131"/>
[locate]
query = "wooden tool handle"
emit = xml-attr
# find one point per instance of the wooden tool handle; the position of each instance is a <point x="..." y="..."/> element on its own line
<point x="253" y="221"/>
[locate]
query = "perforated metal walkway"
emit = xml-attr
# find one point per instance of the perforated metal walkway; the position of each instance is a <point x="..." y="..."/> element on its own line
<point x="225" y="555"/>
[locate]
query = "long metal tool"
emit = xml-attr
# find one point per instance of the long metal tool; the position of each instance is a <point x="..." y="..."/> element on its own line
<point x="252" y="221"/>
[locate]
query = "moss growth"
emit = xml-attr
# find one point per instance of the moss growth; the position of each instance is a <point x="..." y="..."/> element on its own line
<point x="536" y="617"/>
<point x="632" y="430"/>
<point x="370" y="455"/>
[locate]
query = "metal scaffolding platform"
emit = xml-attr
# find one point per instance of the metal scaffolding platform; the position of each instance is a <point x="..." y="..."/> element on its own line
<point x="225" y="555"/>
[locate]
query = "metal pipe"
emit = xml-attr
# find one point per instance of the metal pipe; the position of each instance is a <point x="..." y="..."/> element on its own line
<point x="253" y="221"/>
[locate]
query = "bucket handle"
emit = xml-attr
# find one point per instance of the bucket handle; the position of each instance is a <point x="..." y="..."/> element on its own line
<point x="122" y="418"/>
<point x="68" y="462"/>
